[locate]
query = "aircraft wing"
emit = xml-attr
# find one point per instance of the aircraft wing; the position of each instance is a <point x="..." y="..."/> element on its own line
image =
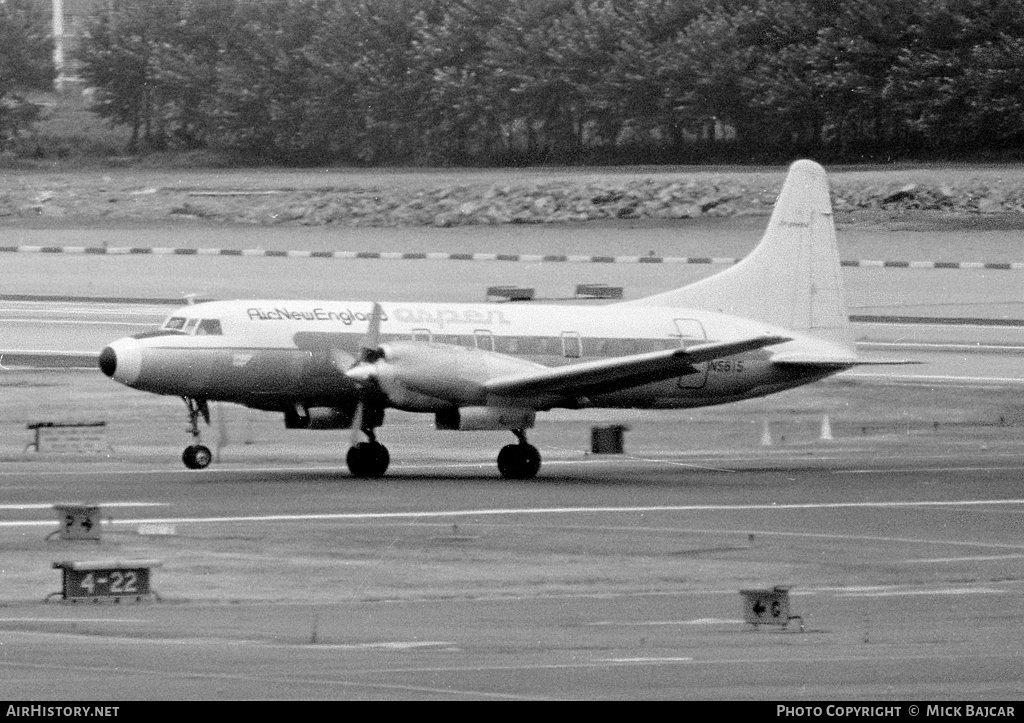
<point x="604" y="376"/>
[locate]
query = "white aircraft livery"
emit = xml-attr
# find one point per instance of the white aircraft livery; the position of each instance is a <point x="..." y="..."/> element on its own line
<point x="774" y="321"/>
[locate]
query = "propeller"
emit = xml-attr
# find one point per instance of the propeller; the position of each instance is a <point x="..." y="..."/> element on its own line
<point x="363" y="371"/>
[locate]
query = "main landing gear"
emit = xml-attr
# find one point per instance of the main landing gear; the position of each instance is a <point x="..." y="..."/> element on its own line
<point x="371" y="458"/>
<point x="519" y="461"/>
<point x="196" y="455"/>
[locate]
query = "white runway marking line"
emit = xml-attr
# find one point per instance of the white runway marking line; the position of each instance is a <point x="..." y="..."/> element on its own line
<point x="555" y="511"/>
<point x="397" y="645"/>
<point x="633" y="458"/>
<point x="44" y="506"/>
<point x="927" y="469"/>
<point x="50" y="522"/>
<point x="70" y="316"/>
<point x="642" y="661"/>
<point x="58" y="306"/>
<point x="72" y="620"/>
<point x="76" y="322"/>
<point x="679" y="464"/>
<point x="29" y="523"/>
<point x="948" y="591"/>
<point x="656" y="623"/>
<point x="978" y="558"/>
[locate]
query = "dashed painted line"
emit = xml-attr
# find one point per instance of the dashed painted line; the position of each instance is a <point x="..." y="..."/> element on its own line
<point x="445" y="256"/>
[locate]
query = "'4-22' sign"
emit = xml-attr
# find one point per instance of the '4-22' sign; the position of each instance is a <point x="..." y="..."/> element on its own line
<point x="111" y="582"/>
<point x="97" y="580"/>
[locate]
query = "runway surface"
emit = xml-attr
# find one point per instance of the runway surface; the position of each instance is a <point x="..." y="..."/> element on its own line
<point x="605" y="578"/>
<point x="891" y="507"/>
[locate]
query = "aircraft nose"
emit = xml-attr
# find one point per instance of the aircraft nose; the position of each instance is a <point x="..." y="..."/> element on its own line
<point x="122" y="361"/>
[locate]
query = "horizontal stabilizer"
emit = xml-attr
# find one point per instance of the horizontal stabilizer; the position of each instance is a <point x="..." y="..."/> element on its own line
<point x="886" y="362"/>
<point x="610" y="375"/>
<point x="825" y="363"/>
<point x="932" y="379"/>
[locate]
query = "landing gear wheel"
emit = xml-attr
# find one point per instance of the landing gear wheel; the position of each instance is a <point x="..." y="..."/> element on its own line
<point x="368" y="459"/>
<point x="518" y="461"/>
<point x="197" y="456"/>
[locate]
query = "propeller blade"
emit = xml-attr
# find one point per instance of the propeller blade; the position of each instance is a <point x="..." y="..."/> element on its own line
<point x="364" y="371"/>
<point x="204" y="409"/>
<point x="368" y="350"/>
<point x="357" y="425"/>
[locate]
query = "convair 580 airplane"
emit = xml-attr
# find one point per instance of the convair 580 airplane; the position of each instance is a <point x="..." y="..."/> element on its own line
<point x="774" y="321"/>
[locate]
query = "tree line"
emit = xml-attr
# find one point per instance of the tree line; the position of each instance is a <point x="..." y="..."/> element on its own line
<point x="26" y="64"/>
<point x="562" y="81"/>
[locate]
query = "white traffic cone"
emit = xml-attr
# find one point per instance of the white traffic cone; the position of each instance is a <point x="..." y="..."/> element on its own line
<point x="826" y="429"/>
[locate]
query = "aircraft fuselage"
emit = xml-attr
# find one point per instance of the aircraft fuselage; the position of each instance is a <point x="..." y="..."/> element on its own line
<point x="272" y="354"/>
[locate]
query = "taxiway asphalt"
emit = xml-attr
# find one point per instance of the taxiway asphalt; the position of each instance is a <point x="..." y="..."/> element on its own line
<point x="606" y="578"/>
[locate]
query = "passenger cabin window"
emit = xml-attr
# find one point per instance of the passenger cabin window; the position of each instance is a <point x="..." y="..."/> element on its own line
<point x="209" y="326"/>
<point x="175" y="322"/>
<point x="190" y="326"/>
<point x="483" y="339"/>
<point x="421" y="335"/>
<point x="572" y="346"/>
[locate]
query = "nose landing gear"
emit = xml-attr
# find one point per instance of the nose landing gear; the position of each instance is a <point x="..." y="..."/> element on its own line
<point x="196" y="455"/>
<point x="519" y="461"/>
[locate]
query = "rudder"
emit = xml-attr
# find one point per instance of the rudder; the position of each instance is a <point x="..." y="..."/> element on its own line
<point x="792" y="278"/>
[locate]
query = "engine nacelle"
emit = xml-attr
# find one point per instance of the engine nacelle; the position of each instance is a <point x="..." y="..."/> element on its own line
<point x="481" y="418"/>
<point x="425" y="377"/>
<point x="301" y="417"/>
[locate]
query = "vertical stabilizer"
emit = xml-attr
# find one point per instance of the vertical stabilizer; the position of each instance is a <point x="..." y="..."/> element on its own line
<point x="792" y="277"/>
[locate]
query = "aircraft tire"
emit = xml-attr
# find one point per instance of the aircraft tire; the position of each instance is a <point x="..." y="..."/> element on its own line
<point x="368" y="459"/>
<point x="197" y="456"/>
<point x="518" y="461"/>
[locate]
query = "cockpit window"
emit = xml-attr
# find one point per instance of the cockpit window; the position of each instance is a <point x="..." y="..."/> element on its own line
<point x="209" y="326"/>
<point x="193" y="326"/>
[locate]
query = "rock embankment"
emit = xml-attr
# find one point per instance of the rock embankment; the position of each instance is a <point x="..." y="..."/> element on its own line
<point x="663" y="196"/>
